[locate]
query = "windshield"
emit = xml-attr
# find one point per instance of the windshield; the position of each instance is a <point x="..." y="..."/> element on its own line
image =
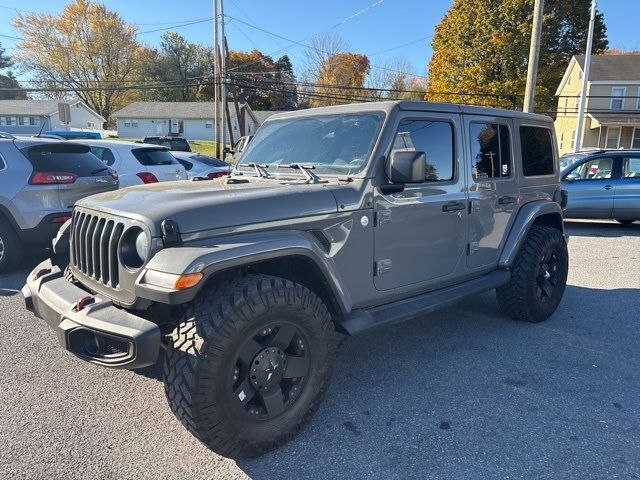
<point x="568" y="160"/>
<point x="332" y="143"/>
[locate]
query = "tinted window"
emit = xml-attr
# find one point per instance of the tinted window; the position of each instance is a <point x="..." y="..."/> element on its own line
<point x="596" y="169"/>
<point x="490" y="151"/>
<point x="179" y="143"/>
<point x="630" y="167"/>
<point x="152" y="156"/>
<point x="152" y="140"/>
<point x="212" y="162"/>
<point x="68" y="158"/>
<point x="104" y="154"/>
<point x="187" y="165"/>
<point x="435" y="139"/>
<point x="537" y="153"/>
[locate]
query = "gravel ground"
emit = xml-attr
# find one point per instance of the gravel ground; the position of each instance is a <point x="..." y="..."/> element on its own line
<point x="463" y="393"/>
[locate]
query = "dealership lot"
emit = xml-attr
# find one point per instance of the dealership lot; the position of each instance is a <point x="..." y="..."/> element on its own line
<point x="463" y="393"/>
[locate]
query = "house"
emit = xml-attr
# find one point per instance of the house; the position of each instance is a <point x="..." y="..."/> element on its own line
<point x="27" y="117"/>
<point x="612" y="118"/>
<point x="191" y="120"/>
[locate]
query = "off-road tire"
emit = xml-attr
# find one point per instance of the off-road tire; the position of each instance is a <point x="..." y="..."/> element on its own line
<point x="200" y="358"/>
<point x="518" y="298"/>
<point x="12" y="249"/>
<point x="624" y="221"/>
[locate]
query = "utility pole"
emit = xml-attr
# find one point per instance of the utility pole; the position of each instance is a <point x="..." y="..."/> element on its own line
<point x="223" y="85"/>
<point x="216" y="79"/>
<point x="534" y="53"/>
<point x="585" y="78"/>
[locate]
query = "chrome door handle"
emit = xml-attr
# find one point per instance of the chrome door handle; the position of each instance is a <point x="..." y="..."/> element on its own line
<point x="506" y="200"/>
<point x="453" y="207"/>
<point x="608" y="187"/>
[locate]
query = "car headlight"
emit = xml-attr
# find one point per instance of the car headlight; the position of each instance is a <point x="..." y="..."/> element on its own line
<point x="134" y="248"/>
<point x="142" y="246"/>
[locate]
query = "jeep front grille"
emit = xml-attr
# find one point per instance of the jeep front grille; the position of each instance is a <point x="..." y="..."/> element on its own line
<point x="94" y="247"/>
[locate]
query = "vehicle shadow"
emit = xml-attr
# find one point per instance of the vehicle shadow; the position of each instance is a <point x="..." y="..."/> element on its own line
<point x="468" y="393"/>
<point x="11" y="282"/>
<point x="601" y="229"/>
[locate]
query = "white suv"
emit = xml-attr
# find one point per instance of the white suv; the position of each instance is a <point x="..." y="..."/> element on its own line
<point x="137" y="163"/>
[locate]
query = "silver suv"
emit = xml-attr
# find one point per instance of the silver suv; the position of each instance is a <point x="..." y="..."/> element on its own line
<point x="40" y="181"/>
<point x="335" y="219"/>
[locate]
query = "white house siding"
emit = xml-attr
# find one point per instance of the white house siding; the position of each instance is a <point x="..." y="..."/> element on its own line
<point x="24" y="129"/>
<point x="146" y="126"/>
<point x="194" y="129"/>
<point x="79" y="118"/>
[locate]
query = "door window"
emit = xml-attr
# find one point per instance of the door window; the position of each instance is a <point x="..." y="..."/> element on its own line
<point x="537" y="152"/>
<point x="490" y="151"/>
<point x="630" y="168"/>
<point x="104" y="154"/>
<point x="613" y="137"/>
<point x="435" y="139"/>
<point x="596" y="169"/>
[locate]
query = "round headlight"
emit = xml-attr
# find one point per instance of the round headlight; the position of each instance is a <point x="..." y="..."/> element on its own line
<point x="142" y="246"/>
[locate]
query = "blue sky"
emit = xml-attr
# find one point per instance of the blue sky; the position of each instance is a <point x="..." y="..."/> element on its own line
<point x="369" y="26"/>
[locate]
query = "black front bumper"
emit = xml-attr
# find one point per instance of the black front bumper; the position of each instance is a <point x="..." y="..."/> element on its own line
<point x="99" y="332"/>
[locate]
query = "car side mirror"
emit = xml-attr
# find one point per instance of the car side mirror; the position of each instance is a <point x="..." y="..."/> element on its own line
<point x="407" y="167"/>
<point x="572" y="177"/>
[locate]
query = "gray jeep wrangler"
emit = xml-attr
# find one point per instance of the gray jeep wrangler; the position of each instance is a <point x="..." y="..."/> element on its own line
<point x="337" y="219"/>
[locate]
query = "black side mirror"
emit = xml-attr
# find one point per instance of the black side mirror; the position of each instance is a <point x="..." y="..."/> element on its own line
<point x="573" y="176"/>
<point x="407" y="167"/>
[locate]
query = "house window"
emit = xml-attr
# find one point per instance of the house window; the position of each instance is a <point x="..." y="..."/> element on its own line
<point x="638" y="100"/>
<point x="613" y="137"/>
<point x="566" y="105"/>
<point x="11" y="121"/>
<point x="635" y="143"/>
<point x="23" y="121"/>
<point x="127" y="123"/>
<point x="617" y="98"/>
<point x="573" y="139"/>
<point x="34" y="121"/>
<point x="91" y="125"/>
<point x="208" y="124"/>
<point x="561" y="140"/>
<point x="3" y="121"/>
<point x="134" y="123"/>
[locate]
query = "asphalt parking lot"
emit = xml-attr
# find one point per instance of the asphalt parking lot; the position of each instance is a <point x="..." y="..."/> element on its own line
<point x="462" y="393"/>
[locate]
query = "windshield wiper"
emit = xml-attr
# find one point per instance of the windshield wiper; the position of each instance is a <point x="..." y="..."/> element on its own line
<point x="99" y="170"/>
<point x="306" y="171"/>
<point x="261" y="170"/>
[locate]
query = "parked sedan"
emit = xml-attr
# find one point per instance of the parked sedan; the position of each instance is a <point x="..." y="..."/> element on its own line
<point x="204" y="166"/>
<point x="40" y="180"/>
<point x="137" y="163"/>
<point x="604" y="184"/>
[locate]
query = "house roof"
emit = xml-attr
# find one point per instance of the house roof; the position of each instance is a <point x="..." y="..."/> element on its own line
<point x="612" y="67"/>
<point x="168" y="110"/>
<point x="33" y="107"/>
<point x="629" y="119"/>
<point x="261" y="115"/>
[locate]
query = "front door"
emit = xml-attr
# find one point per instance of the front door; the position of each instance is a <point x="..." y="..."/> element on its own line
<point x="590" y="186"/>
<point x="420" y="233"/>
<point x="493" y="188"/>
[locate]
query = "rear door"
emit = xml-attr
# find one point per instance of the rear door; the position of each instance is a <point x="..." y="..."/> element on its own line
<point x="493" y="187"/>
<point x="591" y="188"/>
<point x="626" y="200"/>
<point x="71" y="169"/>
<point x="160" y="163"/>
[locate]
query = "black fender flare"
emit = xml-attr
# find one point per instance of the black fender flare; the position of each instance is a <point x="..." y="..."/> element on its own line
<point x="525" y="218"/>
<point x="230" y="252"/>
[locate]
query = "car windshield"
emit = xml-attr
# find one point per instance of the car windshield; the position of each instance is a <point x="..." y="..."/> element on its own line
<point x="568" y="160"/>
<point x="330" y="143"/>
<point x="212" y="162"/>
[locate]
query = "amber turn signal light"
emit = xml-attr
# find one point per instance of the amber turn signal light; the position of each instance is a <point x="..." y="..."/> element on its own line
<point x="187" y="280"/>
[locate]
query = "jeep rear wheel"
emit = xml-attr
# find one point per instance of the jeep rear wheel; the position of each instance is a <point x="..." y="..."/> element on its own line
<point x="11" y="250"/>
<point x="247" y="365"/>
<point x="538" y="277"/>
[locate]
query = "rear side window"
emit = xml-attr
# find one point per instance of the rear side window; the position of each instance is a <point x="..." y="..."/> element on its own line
<point x="63" y="157"/>
<point x="104" y="154"/>
<point x="490" y="151"/>
<point x="153" y="156"/>
<point x="212" y="162"/>
<point x="2" y="164"/>
<point x="537" y="153"/>
<point x="435" y="139"/>
<point x="179" y="142"/>
<point x="630" y="167"/>
<point x="187" y="165"/>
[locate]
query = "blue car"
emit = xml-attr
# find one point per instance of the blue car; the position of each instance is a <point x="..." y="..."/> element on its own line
<point x="604" y="184"/>
<point x="75" y="134"/>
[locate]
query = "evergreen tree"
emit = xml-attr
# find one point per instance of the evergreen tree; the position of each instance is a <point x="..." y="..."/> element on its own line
<point x="7" y="80"/>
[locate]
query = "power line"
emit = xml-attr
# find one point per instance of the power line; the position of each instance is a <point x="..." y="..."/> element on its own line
<point x="171" y="27"/>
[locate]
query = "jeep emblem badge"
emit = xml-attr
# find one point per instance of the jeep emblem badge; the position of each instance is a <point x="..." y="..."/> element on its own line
<point x="364" y="221"/>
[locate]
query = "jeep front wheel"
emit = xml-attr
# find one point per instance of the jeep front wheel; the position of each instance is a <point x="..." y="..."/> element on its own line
<point x="538" y="277"/>
<point x="248" y="363"/>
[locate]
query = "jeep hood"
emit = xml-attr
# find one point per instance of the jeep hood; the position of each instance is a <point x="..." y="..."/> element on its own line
<point x="206" y="205"/>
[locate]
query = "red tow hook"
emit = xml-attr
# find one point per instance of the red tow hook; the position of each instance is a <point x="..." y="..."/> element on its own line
<point x="83" y="302"/>
<point x="41" y="272"/>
